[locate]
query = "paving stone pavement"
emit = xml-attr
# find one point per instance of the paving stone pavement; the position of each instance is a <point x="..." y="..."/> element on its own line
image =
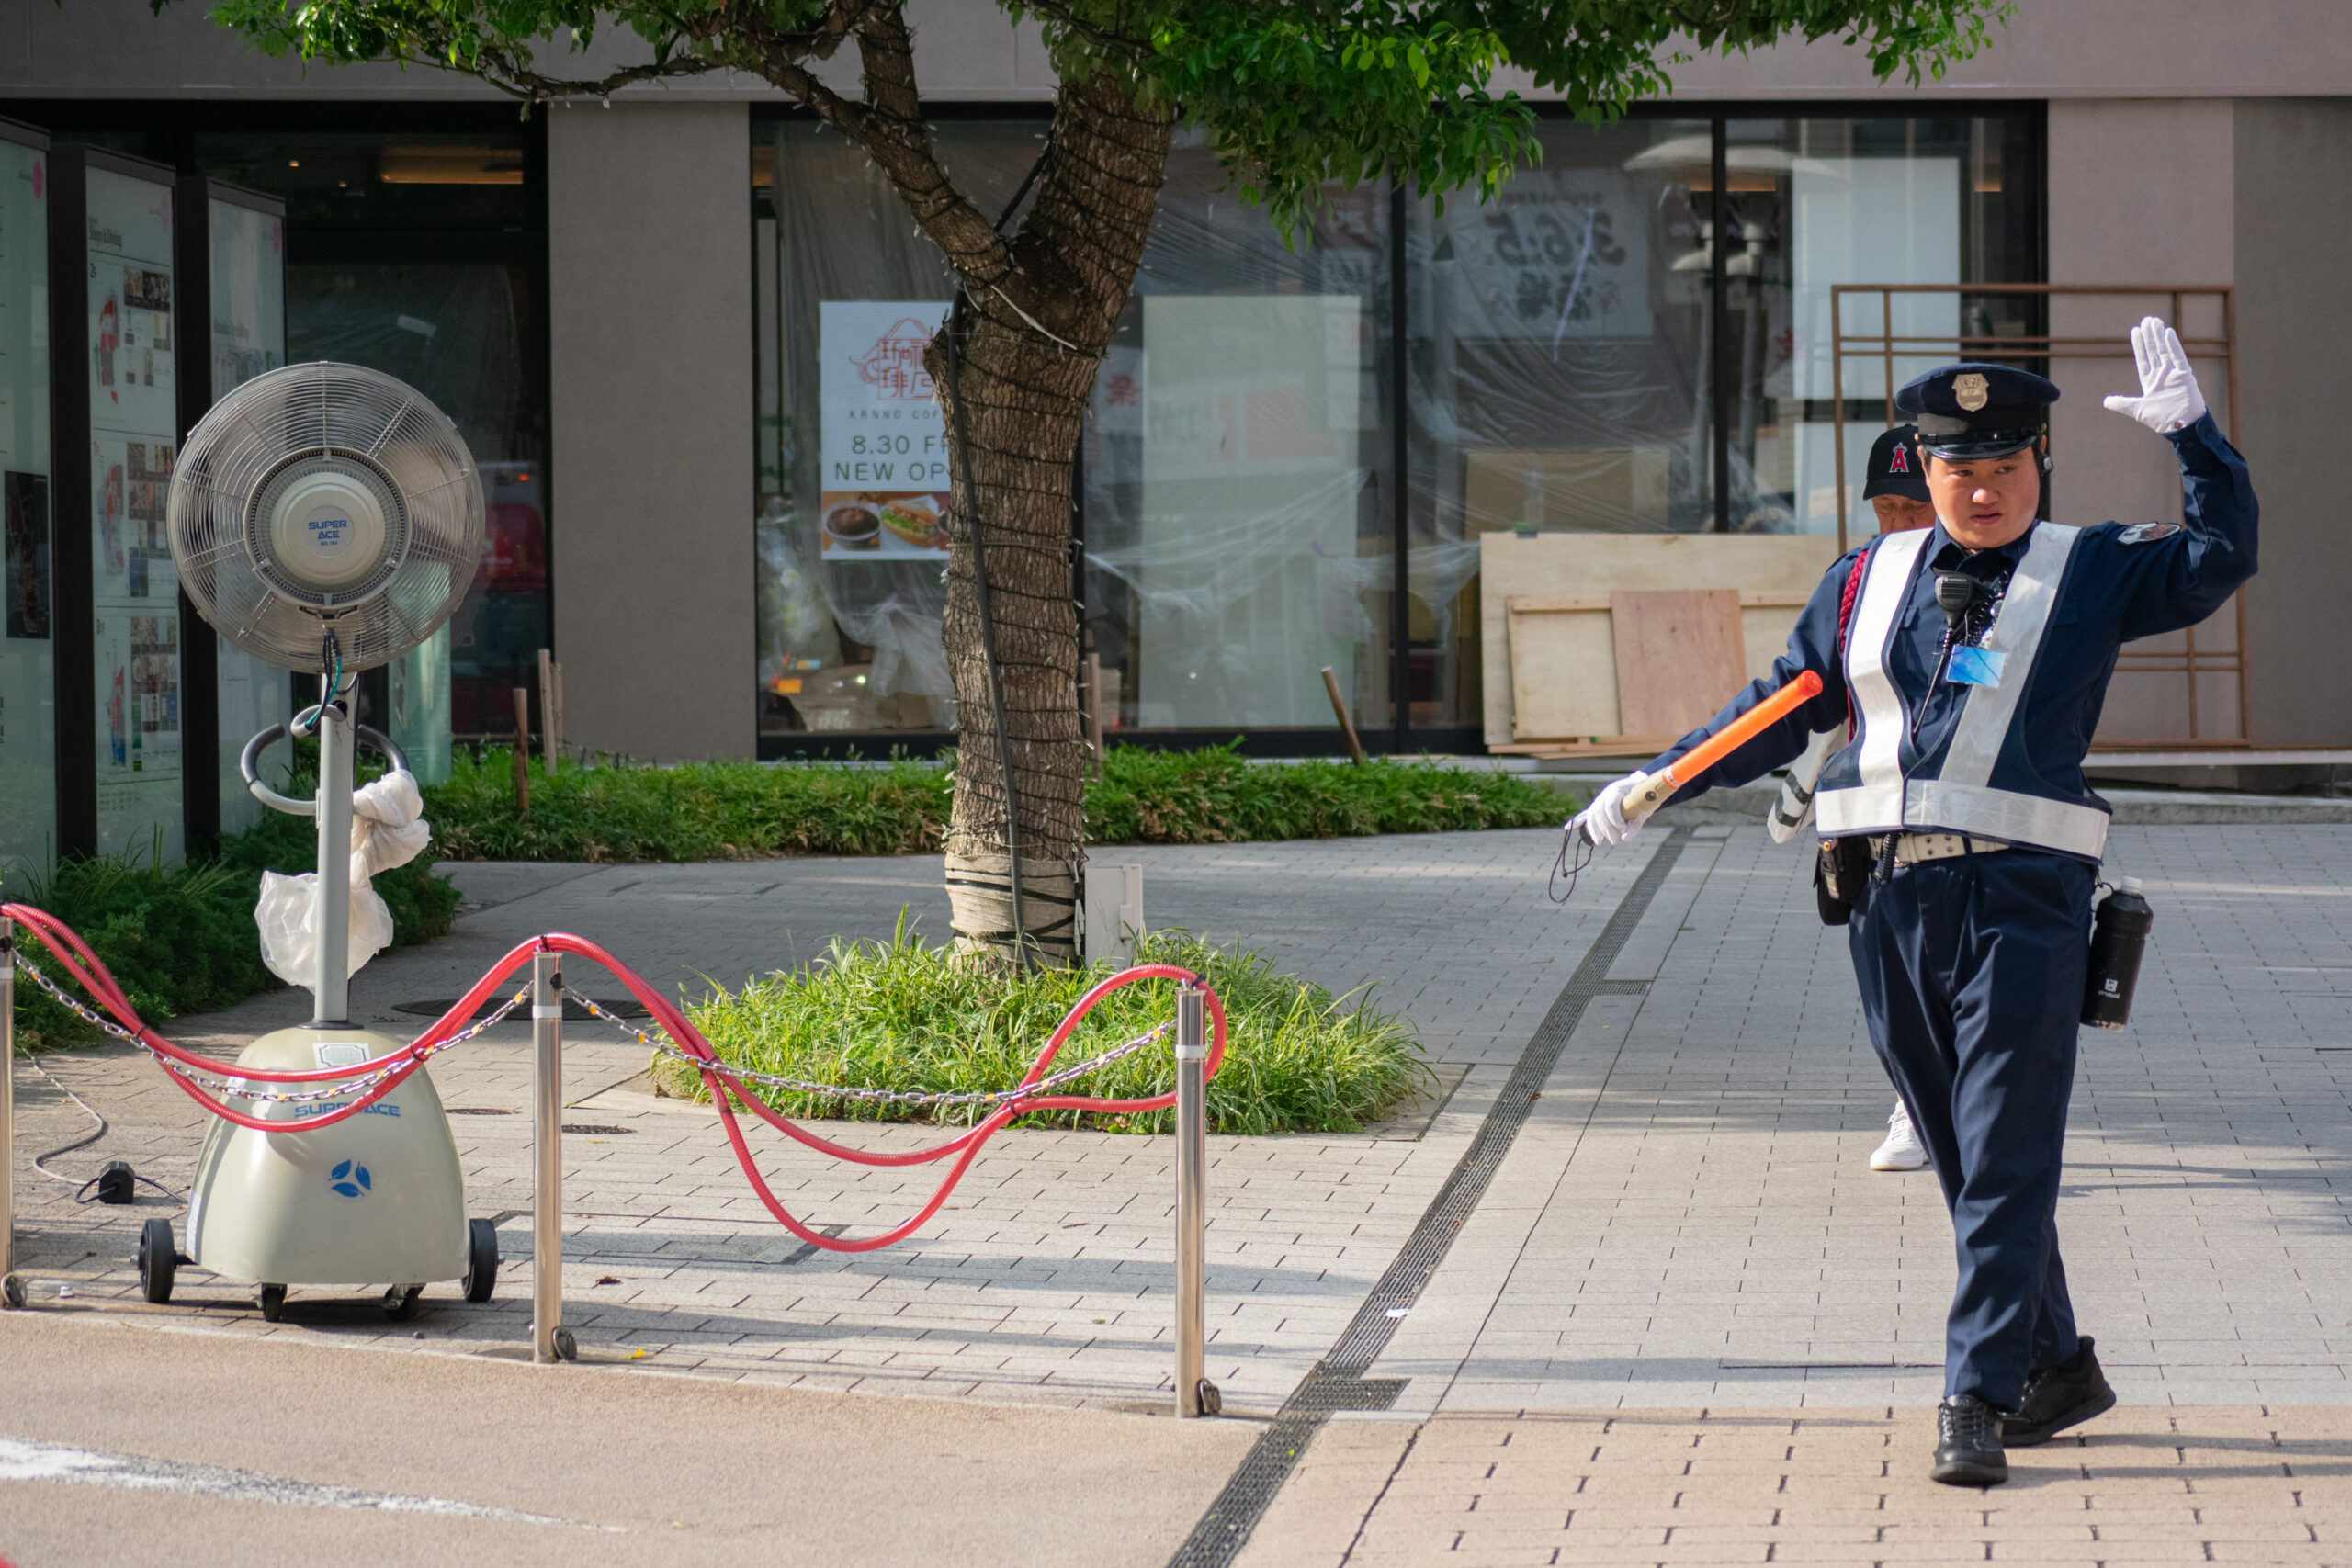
<point x="1683" y="1266"/>
<point x="1047" y="1278"/>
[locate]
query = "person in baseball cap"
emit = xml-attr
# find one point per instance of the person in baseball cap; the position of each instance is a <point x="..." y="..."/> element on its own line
<point x="1894" y="483"/>
<point x="1896" y="487"/>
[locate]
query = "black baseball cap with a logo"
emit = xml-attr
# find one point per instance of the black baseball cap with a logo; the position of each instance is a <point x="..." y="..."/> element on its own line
<point x="1895" y="466"/>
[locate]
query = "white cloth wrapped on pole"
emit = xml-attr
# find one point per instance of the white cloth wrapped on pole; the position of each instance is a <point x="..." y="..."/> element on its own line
<point x="1794" y="809"/>
<point x="388" y="830"/>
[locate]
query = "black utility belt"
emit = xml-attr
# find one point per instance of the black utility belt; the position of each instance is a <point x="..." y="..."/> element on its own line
<point x="1844" y="864"/>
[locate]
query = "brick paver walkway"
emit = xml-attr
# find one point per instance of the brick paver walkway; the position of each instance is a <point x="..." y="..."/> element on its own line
<point x="1047" y="1278"/>
<point x="1686" y="1324"/>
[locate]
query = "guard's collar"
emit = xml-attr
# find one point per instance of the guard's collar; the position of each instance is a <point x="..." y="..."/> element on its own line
<point x="1944" y="552"/>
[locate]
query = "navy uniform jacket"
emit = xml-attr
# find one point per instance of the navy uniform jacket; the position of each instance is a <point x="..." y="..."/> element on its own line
<point x="2114" y="591"/>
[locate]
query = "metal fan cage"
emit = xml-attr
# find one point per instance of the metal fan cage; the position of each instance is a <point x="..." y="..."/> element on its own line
<point x="363" y="424"/>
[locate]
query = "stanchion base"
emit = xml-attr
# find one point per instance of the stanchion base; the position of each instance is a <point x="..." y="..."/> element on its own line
<point x="561" y="1347"/>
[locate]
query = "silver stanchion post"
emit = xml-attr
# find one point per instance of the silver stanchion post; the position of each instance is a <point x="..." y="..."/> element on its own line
<point x="550" y="1340"/>
<point x="1195" y="1395"/>
<point x="12" y="1290"/>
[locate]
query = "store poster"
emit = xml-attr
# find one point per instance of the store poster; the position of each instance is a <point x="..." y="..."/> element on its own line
<point x="248" y="256"/>
<point x="884" y="449"/>
<point x="27" y="663"/>
<point x="135" y="593"/>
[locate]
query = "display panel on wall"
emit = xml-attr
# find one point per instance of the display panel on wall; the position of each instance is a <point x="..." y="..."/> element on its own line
<point x="134" y="423"/>
<point x="28" y="662"/>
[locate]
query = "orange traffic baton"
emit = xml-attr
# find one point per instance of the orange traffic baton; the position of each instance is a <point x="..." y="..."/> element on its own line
<point x="1723" y="743"/>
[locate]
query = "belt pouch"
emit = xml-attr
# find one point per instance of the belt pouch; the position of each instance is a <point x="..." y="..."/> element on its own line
<point x="1839" y="873"/>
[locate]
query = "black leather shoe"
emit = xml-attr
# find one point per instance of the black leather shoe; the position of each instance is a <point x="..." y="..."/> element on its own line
<point x="1968" y="1444"/>
<point x="2058" y="1397"/>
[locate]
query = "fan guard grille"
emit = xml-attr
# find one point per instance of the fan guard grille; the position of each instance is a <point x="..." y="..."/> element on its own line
<point x="382" y="444"/>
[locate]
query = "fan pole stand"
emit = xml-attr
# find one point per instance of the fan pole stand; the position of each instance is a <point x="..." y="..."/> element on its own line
<point x="331" y="987"/>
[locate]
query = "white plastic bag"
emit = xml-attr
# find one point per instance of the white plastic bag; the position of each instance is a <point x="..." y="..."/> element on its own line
<point x="387" y="831"/>
<point x="288" y="917"/>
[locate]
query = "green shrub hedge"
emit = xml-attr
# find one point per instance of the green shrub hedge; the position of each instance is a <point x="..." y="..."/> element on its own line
<point x="737" y="810"/>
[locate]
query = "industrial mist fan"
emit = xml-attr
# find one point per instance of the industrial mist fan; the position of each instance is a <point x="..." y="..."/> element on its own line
<point x="326" y="517"/>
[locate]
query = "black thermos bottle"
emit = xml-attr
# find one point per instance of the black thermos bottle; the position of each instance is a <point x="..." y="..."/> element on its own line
<point x="2118" y="936"/>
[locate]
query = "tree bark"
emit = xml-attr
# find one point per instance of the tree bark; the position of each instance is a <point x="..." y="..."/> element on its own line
<point x="1035" y="336"/>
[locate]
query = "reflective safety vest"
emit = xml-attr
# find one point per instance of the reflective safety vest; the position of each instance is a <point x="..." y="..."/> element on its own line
<point x="1864" y="788"/>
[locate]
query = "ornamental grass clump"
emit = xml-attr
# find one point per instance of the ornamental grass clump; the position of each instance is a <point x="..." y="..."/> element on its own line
<point x="903" y="1014"/>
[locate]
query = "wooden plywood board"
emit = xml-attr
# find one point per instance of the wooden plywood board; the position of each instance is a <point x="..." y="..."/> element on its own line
<point x="1679" y="657"/>
<point x="1593" y="566"/>
<point x="1563" y="670"/>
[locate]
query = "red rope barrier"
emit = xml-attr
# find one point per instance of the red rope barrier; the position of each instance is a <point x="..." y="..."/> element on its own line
<point x="87" y="970"/>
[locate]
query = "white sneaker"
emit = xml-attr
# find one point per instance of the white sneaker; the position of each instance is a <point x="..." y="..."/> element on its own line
<point x="1902" y="1150"/>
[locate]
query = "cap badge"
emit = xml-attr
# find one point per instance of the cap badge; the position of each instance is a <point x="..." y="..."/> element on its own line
<point x="1969" y="390"/>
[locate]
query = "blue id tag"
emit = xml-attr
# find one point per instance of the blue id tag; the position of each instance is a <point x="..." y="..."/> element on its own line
<point x="1976" y="667"/>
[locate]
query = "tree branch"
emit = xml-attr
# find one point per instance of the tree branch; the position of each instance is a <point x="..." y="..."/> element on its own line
<point x="895" y="137"/>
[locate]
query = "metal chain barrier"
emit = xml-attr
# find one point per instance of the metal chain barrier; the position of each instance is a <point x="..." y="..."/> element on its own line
<point x="1200" y="1041"/>
<point x="230" y="1087"/>
<point x="667" y="1047"/>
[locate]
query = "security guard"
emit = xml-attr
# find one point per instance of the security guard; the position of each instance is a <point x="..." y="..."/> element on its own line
<point x="1974" y="657"/>
<point x="1895" y="484"/>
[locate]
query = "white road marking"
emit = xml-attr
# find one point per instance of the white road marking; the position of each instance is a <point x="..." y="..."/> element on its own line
<point x="21" y="1461"/>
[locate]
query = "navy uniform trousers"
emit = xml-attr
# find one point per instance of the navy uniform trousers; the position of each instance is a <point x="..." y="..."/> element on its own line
<point x="1972" y="973"/>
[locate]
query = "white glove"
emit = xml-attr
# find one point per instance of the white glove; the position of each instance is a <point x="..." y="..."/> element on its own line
<point x="1604" y="820"/>
<point x="2169" y="399"/>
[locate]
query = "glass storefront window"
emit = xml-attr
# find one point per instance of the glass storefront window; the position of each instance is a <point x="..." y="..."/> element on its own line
<point x="420" y="254"/>
<point x="1561" y="339"/>
<point x="852" y="476"/>
<point x="1238" y="519"/>
<point x="248" y="339"/>
<point x="367" y="179"/>
<point x="1613" y="346"/>
<point x="27" y="663"/>
<point x="1588" y="356"/>
<point x="1235" y="509"/>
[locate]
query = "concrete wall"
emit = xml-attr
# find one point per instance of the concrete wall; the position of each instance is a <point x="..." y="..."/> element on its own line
<point x="2140" y="192"/>
<point x="650" y="294"/>
<point x="2294" y="171"/>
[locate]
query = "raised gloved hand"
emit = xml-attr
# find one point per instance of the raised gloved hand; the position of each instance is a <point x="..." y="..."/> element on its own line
<point x="1604" y="820"/>
<point x="2169" y="399"/>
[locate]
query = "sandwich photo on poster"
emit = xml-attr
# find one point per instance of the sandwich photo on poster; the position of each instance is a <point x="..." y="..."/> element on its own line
<point x="884" y="446"/>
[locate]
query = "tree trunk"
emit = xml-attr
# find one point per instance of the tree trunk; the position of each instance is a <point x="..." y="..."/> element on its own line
<point x="1034" y="341"/>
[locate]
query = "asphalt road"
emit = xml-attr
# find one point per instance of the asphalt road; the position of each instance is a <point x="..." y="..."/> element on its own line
<point x="126" y="1445"/>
